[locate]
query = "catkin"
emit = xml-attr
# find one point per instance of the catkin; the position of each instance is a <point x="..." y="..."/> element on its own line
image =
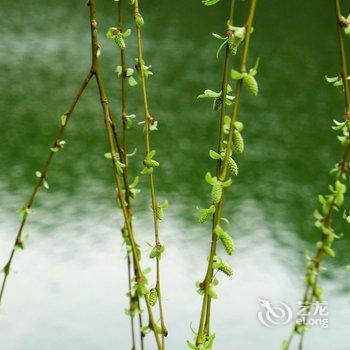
<point x="227" y="242"/>
<point x="233" y="42"/>
<point x="251" y="84"/>
<point x="120" y="41"/>
<point x="216" y="192"/>
<point x="237" y="142"/>
<point x="232" y="165"/>
<point x="153" y="296"/>
<point x="226" y="269"/>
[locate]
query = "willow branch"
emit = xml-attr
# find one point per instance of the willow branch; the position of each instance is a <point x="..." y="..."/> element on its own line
<point x="44" y="173"/>
<point x="123" y="89"/>
<point x="154" y="203"/>
<point x="342" y="55"/>
<point x="204" y="323"/>
<point x="311" y="288"/>
<point x="114" y="155"/>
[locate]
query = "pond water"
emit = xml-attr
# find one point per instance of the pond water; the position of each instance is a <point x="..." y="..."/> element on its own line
<point x="68" y="289"/>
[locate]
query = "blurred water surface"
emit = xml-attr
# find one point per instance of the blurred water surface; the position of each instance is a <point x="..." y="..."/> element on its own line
<point x="69" y="287"/>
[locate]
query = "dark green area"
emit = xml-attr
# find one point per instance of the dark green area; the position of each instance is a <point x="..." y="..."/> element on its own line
<point x="290" y="147"/>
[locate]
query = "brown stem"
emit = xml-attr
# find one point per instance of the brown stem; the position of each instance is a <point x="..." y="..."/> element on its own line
<point x="309" y="295"/>
<point x="154" y="203"/>
<point x="44" y="172"/>
<point x="111" y="137"/>
<point x="204" y="324"/>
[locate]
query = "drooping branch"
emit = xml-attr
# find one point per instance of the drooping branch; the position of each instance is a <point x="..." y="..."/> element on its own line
<point x="150" y="165"/>
<point x="116" y="156"/>
<point x="42" y="179"/>
<point x="234" y="36"/>
<point x="330" y="203"/>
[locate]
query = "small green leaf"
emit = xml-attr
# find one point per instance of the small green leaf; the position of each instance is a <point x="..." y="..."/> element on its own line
<point x="63" y="119"/>
<point x="215" y="155"/>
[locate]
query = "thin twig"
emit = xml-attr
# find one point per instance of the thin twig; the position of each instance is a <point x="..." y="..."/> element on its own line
<point x="310" y="290"/>
<point x="44" y="173"/>
<point x="123" y="84"/>
<point x="114" y="155"/>
<point x="204" y="324"/>
<point x="147" y="132"/>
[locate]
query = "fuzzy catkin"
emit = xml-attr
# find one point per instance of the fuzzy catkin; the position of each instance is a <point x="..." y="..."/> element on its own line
<point x="120" y="41"/>
<point x="237" y="142"/>
<point x="232" y="165"/>
<point x="216" y="192"/>
<point x="227" y="242"/>
<point x="152" y="297"/>
<point x="251" y="84"/>
<point x="226" y="269"/>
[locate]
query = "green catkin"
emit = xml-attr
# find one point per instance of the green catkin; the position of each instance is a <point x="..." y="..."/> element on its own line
<point x="218" y="102"/>
<point x="150" y="163"/>
<point x="206" y="214"/>
<point x="139" y="21"/>
<point x="216" y="192"/>
<point x="311" y="278"/>
<point x="205" y="217"/>
<point x="330" y="203"/>
<point x="251" y="84"/>
<point x="226" y="145"/>
<point x="329" y="251"/>
<point x="237" y="142"/>
<point x="232" y="165"/>
<point x="159" y="213"/>
<point x="227" y="242"/>
<point x="318" y="293"/>
<point x="226" y="269"/>
<point x="153" y="296"/>
<point x="120" y="40"/>
<point x="233" y="42"/>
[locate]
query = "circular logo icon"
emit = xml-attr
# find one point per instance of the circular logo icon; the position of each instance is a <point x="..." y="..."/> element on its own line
<point x="273" y="315"/>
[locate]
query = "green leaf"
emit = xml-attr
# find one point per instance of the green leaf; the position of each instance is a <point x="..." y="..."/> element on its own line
<point x="119" y="71"/>
<point x="209" y="179"/>
<point x="220" y="48"/>
<point x="215" y="155"/>
<point x="129" y="72"/>
<point x="63" y="119"/>
<point x="329" y="251"/>
<point x="226" y="183"/>
<point x="331" y="79"/>
<point x="210" y="2"/>
<point x="191" y="345"/>
<point x="132" y="81"/>
<point x="209" y="94"/>
<point x="212" y="293"/>
<point x="135" y="182"/>
<point x="126" y="33"/>
<point x="235" y="75"/>
<point x="217" y="36"/>
<point x="45" y="184"/>
<point x="111" y="33"/>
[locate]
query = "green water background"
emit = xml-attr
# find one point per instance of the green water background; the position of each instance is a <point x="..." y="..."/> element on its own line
<point x="69" y="287"/>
